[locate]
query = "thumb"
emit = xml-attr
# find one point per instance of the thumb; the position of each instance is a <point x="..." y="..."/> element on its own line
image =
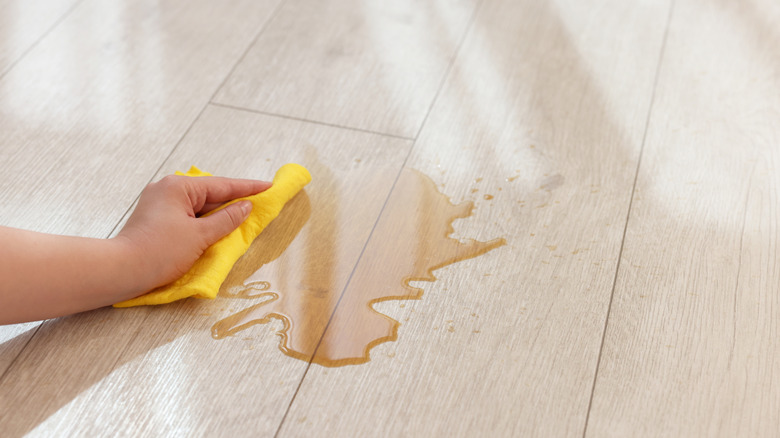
<point x="222" y="222"/>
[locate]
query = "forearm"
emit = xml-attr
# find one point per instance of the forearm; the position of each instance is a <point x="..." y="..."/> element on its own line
<point x="45" y="276"/>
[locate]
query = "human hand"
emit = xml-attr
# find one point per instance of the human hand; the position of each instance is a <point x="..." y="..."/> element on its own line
<point x="166" y="233"/>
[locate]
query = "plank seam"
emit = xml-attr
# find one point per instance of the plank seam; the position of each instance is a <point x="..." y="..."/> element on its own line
<point x="18" y="355"/>
<point x="445" y="77"/>
<point x="315" y="122"/>
<point x="249" y="46"/>
<point x="205" y="106"/>
<point x="3" y="74"/>
<point x="221" y="84"/>
<point x="41" y="38"/>
<point x="628" y="213"/>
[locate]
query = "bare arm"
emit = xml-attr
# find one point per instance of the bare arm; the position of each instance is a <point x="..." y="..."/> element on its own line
<point x="45" y="275"/>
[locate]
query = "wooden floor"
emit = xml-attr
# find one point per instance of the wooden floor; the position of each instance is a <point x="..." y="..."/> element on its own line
<point x="631" y="149"/>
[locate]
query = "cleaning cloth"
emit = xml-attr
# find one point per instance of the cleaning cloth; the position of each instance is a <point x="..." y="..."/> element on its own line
<point x="205" y="277"/>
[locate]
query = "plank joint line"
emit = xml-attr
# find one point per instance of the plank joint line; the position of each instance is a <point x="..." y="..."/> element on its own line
<point x="299" y="119"/>
<point x="381" y="211"/>
<point x="19" y="354"/>
<point x="38" y="41"/>
<point x="628" y="213"/>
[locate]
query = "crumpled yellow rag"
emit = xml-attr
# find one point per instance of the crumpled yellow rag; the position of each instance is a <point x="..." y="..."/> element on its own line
<point x="205" y="277"/>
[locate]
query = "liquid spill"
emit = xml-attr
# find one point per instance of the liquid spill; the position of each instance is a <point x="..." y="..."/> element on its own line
<point x="410" y="241"/>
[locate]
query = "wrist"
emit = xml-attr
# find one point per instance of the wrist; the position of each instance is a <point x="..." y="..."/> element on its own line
<point x="131" y="269"/>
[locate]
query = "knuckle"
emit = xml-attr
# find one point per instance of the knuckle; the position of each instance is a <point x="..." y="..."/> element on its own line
<point x="169" y="180"/>
<point x="173" y="185"/>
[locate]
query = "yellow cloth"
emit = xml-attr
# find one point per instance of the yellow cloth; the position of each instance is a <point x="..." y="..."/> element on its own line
<point x="205" y="277"/>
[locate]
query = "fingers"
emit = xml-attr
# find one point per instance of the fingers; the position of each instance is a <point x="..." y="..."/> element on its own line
<point x="208" y="207"/>
<point x="221" y="223"/>
<point x="213" y="191"/>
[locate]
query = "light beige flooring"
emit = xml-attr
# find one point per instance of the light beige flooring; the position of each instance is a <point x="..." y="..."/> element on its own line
<point x="631" y="149"/>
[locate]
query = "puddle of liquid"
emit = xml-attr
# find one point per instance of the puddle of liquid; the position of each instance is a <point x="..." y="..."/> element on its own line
<point x="410" y="241"/>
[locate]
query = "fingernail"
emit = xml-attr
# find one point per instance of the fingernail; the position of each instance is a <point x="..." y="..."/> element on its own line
<point x="246" y="207"/>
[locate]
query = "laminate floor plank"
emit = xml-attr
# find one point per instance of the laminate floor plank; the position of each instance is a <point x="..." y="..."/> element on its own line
<point x="692" y="343"/>
<point x="540" y="123"/>
<point x="25" y="22"/>
<point x="13" y="339"/>
<point x="161" y="364"/>
<point x="88" y="116"/>
<point x="371" y="65"/>
<point x="623" y="303"/>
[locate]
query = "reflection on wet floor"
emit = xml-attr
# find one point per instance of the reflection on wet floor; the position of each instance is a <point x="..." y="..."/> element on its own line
<point x="322" y="324"/>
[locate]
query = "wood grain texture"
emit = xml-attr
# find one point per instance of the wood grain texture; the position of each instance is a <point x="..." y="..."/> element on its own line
<point x="13" y="339"/>
<point x="160" y="364"/>
<point x="540" y="121"/>
<point x="373" y="65"/>
<point x="90" y="113"/>
<point x="545" y="110"/>
<point x="692" y="344"/>
<point x="24" y="22"/>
